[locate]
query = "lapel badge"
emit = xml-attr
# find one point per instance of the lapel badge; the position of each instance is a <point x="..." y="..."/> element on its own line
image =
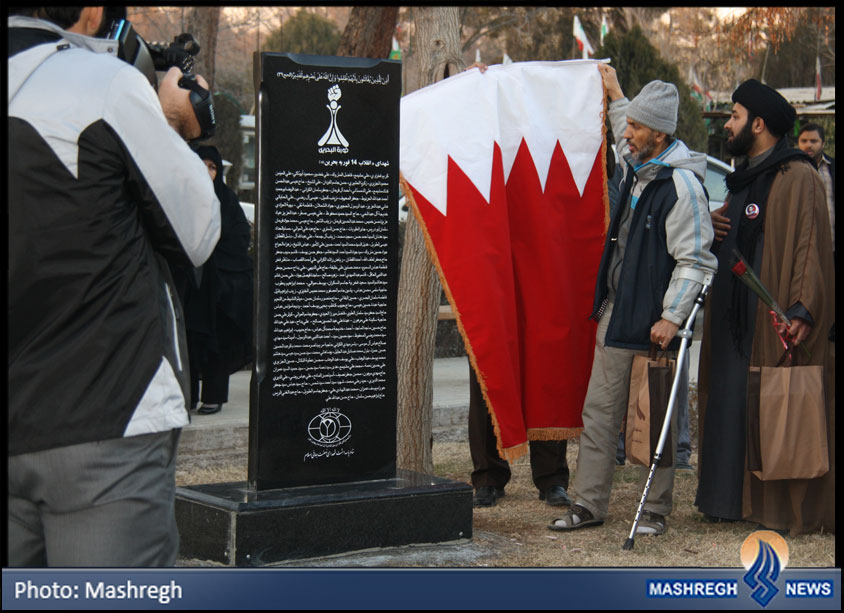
<point x="752" y="211"/>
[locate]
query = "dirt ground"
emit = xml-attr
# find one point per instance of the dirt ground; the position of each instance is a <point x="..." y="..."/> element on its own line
<point x="518" y="523"/>
<point x="688" y="542"/>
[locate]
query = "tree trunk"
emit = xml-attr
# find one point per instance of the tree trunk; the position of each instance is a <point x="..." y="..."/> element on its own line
<point x="202" y="22"/>
<point x="437" y="43"/>
<point x="369" y="32"/>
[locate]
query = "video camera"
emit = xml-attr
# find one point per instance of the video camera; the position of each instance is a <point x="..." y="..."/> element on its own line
<point x="152" y="57"/>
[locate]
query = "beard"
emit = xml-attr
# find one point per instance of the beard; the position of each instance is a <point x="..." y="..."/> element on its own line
<point x="740" y="143"/>
<point x="646" y="151"/>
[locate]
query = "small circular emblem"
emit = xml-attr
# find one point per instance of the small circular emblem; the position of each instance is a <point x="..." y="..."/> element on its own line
<point x="752" y="211"/>
<point x="330" y="428"/>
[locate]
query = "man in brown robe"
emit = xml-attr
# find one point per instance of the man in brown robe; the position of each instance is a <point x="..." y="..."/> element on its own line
<point x="776" y="217"/>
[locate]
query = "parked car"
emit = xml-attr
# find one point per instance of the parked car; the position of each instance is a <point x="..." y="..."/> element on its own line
<point x="716" y="173"/>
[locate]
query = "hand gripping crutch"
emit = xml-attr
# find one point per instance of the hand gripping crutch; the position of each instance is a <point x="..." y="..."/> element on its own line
<point x="685" y="335"/>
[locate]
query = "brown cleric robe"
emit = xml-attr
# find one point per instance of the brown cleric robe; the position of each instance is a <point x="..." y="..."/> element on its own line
<point x="796" y="266"/>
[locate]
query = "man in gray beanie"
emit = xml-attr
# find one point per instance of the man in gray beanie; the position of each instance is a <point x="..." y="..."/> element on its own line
<point x="655" y="260"/>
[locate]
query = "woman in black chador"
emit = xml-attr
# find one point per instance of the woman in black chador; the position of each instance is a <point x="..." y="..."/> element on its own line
<point x="217" y="300"/>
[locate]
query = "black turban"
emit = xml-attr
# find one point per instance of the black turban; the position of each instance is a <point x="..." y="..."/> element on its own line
<point x="767" y="103"/>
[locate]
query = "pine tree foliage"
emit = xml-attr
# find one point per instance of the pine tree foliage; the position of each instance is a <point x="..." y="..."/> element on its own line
<point x="305" y="32"/>
<point x="638" y="62"/>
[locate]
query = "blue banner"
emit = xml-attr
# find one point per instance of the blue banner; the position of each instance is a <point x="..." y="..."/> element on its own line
<point x="378" y="589"/>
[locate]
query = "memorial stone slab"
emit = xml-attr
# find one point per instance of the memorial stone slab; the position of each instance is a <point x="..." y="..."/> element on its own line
<point x="322" y="475"/>
<point x="324" y="394"/>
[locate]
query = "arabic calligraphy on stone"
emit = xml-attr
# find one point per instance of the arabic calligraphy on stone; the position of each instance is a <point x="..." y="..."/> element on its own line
<point x="330" y="283"/>
<point x="328" y="453"/>
<point x="346" y="77"/>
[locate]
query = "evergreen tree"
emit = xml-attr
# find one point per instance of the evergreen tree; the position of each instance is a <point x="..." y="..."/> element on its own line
<point x="305" y="33"/>
<point x="638" y="62"/>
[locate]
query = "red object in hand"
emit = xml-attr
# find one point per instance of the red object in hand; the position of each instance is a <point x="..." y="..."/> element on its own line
<point x="739" y="268"/>
<point x="783" y="336"/>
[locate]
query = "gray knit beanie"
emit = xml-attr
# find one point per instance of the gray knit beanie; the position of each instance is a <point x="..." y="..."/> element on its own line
<point x="656" y="107"/>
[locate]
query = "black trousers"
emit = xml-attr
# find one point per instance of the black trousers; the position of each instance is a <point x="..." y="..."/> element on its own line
<point x="548" y="464"/>
<point x="213" y="373"/>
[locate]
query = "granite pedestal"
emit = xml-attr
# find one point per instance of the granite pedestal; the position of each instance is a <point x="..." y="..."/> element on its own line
<point x="237" y="526"/>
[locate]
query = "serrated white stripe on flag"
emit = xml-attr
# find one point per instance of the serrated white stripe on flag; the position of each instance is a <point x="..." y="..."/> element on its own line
<point x="455" y="117"/>
<point x="550" y="102"/>
<point x="463" y="116"/>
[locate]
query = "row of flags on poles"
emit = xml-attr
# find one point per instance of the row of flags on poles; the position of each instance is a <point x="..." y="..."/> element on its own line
<point x="699" y="92"/>
<point x="579" y="35"/>
<point x="583" y="41"/>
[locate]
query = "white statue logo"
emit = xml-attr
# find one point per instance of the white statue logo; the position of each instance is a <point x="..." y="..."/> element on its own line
<point x="333" y="135"/>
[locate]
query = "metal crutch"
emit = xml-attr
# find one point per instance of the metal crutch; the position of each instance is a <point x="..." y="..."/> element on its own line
<point x="685" y="335"/>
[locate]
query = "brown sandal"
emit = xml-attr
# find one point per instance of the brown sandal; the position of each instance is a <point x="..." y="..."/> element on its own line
<point x="576" y="517"/>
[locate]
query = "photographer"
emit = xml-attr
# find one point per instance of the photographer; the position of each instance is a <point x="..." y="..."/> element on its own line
<point x="103" y="192"/>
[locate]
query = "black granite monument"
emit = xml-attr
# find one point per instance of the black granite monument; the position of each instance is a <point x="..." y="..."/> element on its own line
<point x="325" y="392"/>
<point x="322" y="475"/>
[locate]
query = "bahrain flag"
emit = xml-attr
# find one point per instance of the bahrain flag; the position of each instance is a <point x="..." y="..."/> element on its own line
<point x="505" y="171"/>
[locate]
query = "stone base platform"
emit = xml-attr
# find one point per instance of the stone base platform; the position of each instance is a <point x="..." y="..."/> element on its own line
<point x="234" y="525"/>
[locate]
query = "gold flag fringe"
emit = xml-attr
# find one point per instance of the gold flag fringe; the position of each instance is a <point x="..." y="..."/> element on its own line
<point x="512" y="454"/>
<point x="552" y="434"/>
<point x="604" y="159"/>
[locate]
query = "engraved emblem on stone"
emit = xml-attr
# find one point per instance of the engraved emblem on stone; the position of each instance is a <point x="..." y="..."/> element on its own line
<point x="333" y="135"/>
<point x="330" y="428"/>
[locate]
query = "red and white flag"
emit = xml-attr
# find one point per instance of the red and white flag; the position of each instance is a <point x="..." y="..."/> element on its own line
<point x="698" y="90"/>
<point x="506" y="173"/>
<point x="581" y="39"/>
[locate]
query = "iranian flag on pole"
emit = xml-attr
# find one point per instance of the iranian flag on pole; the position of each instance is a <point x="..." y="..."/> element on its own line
<point x="580" y="37"/>
<point x="506" y="174"/>
<point x="698" y="92"/>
